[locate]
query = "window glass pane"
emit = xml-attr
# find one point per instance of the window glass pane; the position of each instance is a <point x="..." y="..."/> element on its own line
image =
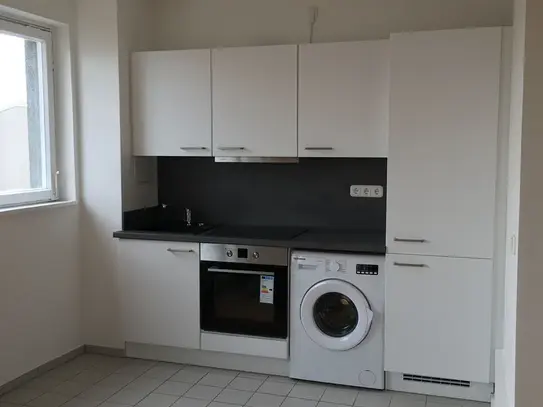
<point x="23" y="143"/>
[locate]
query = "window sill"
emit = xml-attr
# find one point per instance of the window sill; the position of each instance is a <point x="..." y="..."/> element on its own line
<point x="36" y="207"/>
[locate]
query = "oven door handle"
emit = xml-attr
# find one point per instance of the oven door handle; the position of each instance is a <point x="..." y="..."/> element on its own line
<point x="231" y="271"/>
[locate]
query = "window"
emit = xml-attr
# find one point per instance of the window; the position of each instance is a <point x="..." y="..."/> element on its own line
<point x="27" y="159"/>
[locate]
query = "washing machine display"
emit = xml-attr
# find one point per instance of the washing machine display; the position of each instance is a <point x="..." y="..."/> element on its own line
<point x="336" y="315"/>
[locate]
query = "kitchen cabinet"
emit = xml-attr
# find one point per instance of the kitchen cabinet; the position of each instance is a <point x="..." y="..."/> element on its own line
<point x="343" y="99"/>
<point x="159" y="284"/>
<point x="444" y="103"/>
<point x="438" y="317"/>
<point x="171" y="103"/>
<point x="255" y="101"/>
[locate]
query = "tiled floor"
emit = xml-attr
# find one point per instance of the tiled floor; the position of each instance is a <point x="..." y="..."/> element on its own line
<point x="95" y="380"/>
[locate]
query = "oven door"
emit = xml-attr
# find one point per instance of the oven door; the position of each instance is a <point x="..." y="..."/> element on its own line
<point x="244" y="299"/>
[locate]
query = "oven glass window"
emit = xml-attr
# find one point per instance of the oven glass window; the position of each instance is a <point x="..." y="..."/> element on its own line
<point x="335" y="315"/>
<point x="244" y="299"/>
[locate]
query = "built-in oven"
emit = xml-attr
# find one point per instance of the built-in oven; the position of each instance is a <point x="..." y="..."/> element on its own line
<point x="244" y="290"/>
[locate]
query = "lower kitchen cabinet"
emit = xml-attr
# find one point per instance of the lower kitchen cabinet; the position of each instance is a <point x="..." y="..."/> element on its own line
<point x="438" y="317"/>
<point x="159" y="284"/>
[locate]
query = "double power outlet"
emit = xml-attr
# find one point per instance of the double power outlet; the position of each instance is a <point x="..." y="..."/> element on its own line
<point x="366" y="191"/>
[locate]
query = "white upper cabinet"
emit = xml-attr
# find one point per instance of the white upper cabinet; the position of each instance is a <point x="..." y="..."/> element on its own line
<point x="171" y="103"/>
<point x="255" y="101"/>
<point x="343" y="99"/>
<point x="444" y="103"/>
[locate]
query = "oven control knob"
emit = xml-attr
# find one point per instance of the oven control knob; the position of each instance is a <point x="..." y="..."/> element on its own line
<point x="229" y="253"/>
<point x="256" y="255"/>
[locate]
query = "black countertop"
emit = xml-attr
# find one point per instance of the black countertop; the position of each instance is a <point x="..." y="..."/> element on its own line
<point x="343" y="240"/>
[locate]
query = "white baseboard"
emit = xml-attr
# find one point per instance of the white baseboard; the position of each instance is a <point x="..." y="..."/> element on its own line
<point x="477" y="391"/>
<point x="220" y="360"/>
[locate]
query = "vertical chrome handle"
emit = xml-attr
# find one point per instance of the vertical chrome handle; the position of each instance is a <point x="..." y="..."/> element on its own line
<point x="398" y="239"/>
<point x="409" y="265"/>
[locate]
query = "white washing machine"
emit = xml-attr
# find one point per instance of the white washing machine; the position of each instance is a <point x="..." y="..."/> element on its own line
<point x="336" y="318"/>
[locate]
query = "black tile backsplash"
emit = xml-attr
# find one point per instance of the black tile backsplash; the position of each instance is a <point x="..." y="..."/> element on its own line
<point x="313" y="193"/>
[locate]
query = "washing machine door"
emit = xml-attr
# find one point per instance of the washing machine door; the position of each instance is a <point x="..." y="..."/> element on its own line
<point x="336" y="315"/>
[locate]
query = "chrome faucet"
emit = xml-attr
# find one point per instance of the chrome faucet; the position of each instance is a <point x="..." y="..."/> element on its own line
<point x="188" y="216"/>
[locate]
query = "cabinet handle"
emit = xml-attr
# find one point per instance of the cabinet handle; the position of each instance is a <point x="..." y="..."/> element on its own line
<point x="231" y="148"/>
<point x="397" y="239"/>
<point x="319" y="148"/>
<point x="193" y="148"/>
<point x="409" y="265"/>
<point x="180" y="251"/>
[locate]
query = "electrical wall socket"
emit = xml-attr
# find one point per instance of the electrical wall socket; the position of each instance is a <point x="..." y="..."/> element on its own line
<point x="366" y="191"/>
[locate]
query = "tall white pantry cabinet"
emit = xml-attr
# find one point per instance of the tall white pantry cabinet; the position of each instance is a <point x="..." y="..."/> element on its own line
<point x="442" y="169"/>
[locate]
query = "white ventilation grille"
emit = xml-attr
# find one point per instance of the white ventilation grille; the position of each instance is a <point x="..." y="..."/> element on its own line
<point x="436" y="380"/>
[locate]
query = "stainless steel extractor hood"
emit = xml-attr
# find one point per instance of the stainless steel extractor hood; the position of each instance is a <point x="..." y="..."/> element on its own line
<point x="258" y="160"/>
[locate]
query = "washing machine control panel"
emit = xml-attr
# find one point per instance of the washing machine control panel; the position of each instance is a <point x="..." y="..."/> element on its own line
<point x="367" y="269"/>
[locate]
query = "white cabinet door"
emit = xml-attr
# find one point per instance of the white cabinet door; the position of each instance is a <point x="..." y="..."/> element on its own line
<point x="171" y="103"/>
<point x="443" y="142"/>
<point x="254" y="101"/>
<point x="343" y="99"/>
<point x="438" y="317"/>
<point x="159" y="284"/>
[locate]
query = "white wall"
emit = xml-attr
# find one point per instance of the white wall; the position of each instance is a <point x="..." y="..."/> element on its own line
<point x="40" y="308"/>
<point x="212" y="23"/>
<point x="100" y="161"/>
<point x="529" y="326"/>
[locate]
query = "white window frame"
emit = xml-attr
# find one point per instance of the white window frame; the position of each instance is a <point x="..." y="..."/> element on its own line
<point x="49" y="172"/>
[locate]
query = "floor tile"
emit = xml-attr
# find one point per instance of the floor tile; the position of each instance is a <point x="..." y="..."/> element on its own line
<point x="186" y="402"/>
<point x="325" y="404"/>
<point x="8" y="405"/>
<point x="77" y="402"/>
<point x="293" y="402"/>
<point x="43" y="383"/>
<point x="408" y="400"/>
<point x="278" y="388"/>
<point x="162" y="371"/>
<point x="474" y="404"/>
<point x="225" y="372"/>
<point x="21" y="396"/>
<point x="63" y="372"/>
<point x="135" y="368"/>
<point x="246" y="383"/>
<point x="368" y="398"/>
<point x="147" y="384"/>
<point x="197" y="369"/>
<point x="49" y="400"/>
<point x="217" y="404"/>
<point x="203" y="392"/>
<point x="232" y="396"/>
<point x="339" y="395"/>
<point x="98" y="393"/>
<point x="89" y="376"/>
<point x="128" y="396"/>
<point x="216" y="379"/>
<point x="281" y="379"/>
<point x="188" y="376"/>
<point x="257" y="376"/>
<point x="117" y="380"/>
<point x="70" y="389"/>
<point x="265" y="400"/>
<point x="307" y="391"/>
<point x="110" y="404"/>
<point x="173" y="388"/>
<point x="157" y="400"/>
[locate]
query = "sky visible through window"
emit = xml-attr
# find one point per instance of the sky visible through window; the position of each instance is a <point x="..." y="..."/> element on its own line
<point x="12" y="72"/>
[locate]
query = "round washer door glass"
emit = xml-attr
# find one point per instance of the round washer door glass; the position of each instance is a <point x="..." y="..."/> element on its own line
<point x="336" y="315"/>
